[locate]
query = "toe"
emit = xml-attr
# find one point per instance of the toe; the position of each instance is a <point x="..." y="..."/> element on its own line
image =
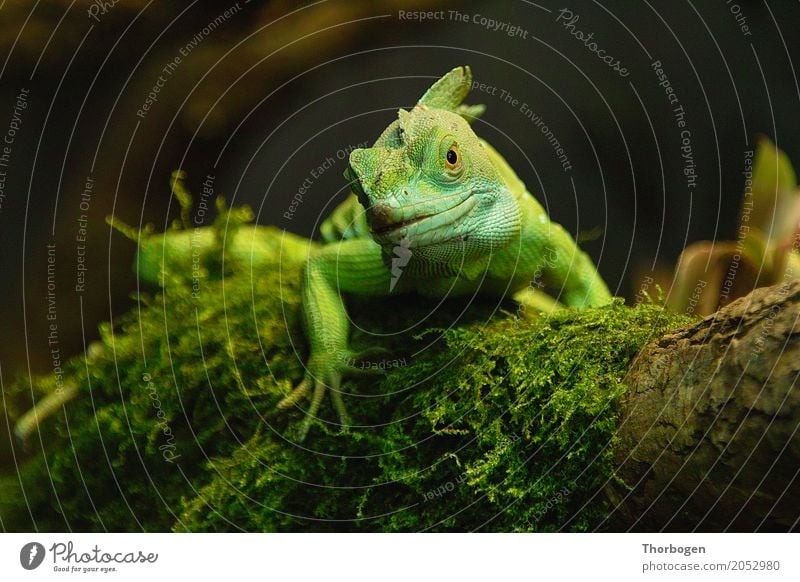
<point x="295" y="395"/>
<point x="338" y="402"/>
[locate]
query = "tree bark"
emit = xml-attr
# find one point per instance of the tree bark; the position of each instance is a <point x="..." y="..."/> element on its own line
<point x="709" y="435"/>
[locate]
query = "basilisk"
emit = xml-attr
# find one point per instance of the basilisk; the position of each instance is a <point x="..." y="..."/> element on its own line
<point x="434" y="210"/>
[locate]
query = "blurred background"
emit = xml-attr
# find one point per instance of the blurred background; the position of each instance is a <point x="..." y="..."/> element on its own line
<point x="101" y="101"/>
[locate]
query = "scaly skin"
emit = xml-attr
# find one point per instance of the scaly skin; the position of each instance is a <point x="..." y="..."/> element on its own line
<point x="436" y="211"/>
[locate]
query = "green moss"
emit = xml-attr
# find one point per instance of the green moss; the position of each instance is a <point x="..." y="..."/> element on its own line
<point x="496" y="423"/>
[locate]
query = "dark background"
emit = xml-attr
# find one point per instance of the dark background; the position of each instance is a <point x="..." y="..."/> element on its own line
<point x="269" y="94"/>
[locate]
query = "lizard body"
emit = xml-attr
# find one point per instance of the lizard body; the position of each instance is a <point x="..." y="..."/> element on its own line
<point x="436" y="211"/>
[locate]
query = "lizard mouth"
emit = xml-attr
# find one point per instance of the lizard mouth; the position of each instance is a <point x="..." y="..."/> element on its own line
<point x="426" y="226"/>
<point x="384" y="230"/>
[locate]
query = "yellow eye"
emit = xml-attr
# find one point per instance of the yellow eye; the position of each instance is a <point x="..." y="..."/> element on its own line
<point x="453" y="158"/>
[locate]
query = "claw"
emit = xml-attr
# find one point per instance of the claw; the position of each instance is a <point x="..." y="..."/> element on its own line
<point x="311" y="413"/>
<point x="316" y="401"/>
<point x="338" y="402"/>
<point x="324" y="374"/>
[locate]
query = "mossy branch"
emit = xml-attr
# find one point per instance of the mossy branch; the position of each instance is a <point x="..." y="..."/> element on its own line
<point x="610" y="418"/>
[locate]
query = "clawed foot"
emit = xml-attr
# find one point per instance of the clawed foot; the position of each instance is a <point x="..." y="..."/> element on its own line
<point x="325" y="372"/>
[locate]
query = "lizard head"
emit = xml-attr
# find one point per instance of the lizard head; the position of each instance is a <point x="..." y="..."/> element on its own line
<point x="428" y="182"/>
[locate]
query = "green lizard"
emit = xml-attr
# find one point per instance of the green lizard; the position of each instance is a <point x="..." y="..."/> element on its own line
<point x="434" y="210"/>
<point x="437" y="211"/>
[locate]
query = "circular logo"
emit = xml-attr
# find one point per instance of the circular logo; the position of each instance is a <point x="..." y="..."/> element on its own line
<point x="31" y="555"/>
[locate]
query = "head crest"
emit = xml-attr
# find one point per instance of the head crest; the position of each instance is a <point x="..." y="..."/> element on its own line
<point x="449" y="93"/>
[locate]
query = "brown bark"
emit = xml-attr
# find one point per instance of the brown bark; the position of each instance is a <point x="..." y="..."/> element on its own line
<point x="709" y="439"/>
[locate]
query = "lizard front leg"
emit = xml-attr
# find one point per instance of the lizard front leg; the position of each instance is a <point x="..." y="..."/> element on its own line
<point x="353" y="266"/>
<point x="569" y="270"/>
<point x="552" y="258"/>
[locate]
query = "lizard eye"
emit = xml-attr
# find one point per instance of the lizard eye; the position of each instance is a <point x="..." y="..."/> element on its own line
<point x="452" y="159"/>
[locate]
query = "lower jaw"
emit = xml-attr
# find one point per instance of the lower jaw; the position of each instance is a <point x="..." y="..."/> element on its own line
<point x="410" y="237"/>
